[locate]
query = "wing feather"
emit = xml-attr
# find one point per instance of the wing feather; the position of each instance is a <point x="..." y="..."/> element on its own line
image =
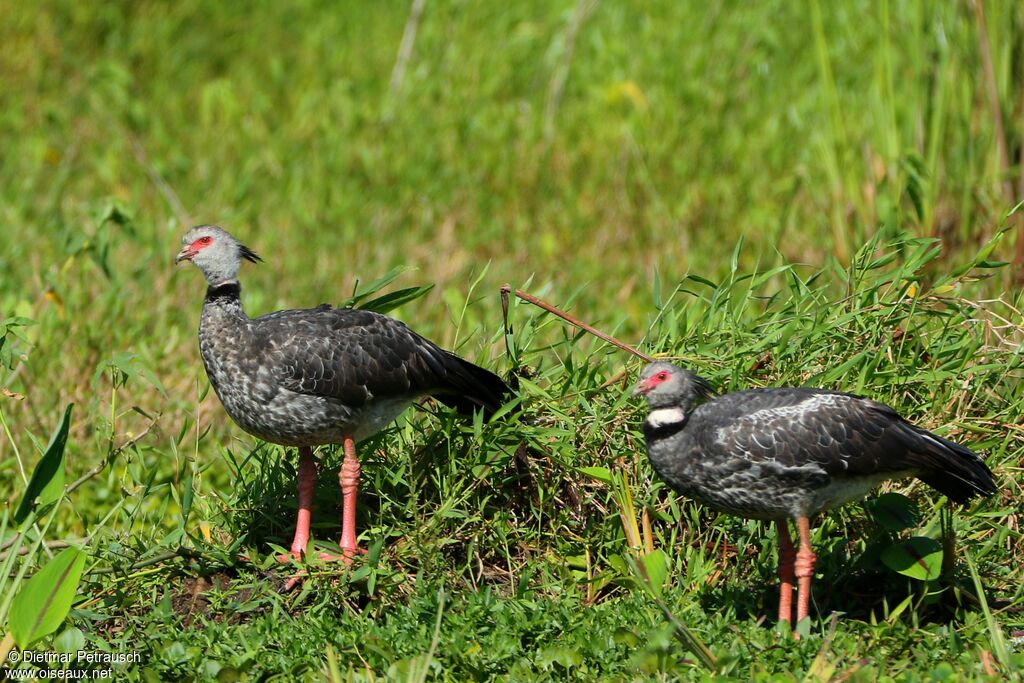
<point x="354" y="355"/>
<point x="840" y="433"/>
<point x="346" y="354"/>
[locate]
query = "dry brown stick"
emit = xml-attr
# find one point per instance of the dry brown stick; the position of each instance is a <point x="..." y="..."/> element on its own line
<point x="540" y="303"/>
<point x="51" y="545"/>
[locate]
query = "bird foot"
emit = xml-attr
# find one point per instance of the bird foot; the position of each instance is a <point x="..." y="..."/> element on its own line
<point x="290" y="558"/>
<point x="293" y="581"/>
<point x="287" y="558"/>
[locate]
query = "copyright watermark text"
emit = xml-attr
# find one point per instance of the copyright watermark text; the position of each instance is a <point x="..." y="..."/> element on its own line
<point x="67" y="666"/>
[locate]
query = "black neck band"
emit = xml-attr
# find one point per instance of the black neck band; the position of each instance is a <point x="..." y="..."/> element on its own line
<point x="652" y="433"/>
<point x="225" y="291"/>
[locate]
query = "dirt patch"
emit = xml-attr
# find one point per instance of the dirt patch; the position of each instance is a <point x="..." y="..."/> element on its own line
<point x="193" y="599"/>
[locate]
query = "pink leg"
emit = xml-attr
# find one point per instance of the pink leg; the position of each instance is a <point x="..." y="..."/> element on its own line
<point x="348" y="477"/>
<point x="787" y="572"/>
<point x="306" y="487"/>
<point x="804" y="568"/>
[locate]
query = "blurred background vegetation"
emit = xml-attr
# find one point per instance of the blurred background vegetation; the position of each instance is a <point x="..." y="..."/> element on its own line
<point x="585" y="145"/>
<point x="593" y="153"/>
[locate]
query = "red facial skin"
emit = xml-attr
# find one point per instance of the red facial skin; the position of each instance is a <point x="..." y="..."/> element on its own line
<point x="191" y="250"/>
<point x="653" y="381"/>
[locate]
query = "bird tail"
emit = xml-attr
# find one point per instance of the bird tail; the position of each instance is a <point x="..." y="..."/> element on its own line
<point x="953" y="470"/>
<point x="470" y="387"/>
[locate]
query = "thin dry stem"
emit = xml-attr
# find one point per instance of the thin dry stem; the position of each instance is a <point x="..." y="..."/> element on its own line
<point x="184" y="217"/>
<point x="405" y="48"/>
<point x="540" y="303"/>
<point x="556" y="88"/>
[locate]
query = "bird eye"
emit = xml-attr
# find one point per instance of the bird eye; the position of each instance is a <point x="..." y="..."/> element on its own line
<point x="661" y="376"/>
<point x="205" y="240"/>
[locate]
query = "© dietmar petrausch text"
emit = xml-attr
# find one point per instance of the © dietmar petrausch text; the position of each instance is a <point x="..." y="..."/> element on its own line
<point x="80" y="665"/>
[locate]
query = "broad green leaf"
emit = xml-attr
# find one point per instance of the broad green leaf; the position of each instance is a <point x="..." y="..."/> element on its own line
<point x="70" y="640"/>
<point x="895" y="613"/>
<point x="617" y="563"/>
<point x="602" y="474"/>
<point x="507" y="407"/>
<point x="734" y="262"/>
<point x="894" y="511"/>
<point x="918" y="557"/>
<point x="44" y="601"/>
<point x="381" y="282"/>
<point x="656" y="565"/>
<point x="768" y="275"/>
<point x="623" y="636"/>
<point x="981" y="256"/>
<point x="47" y="480"/>
<point x="528" y="387"/>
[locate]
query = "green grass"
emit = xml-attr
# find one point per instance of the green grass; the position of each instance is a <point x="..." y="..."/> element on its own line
<point x="787" y="193"/>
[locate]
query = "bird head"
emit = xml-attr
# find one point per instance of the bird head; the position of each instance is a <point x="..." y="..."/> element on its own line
<point x="215" y="252"/>
<point x="665" y="385"/>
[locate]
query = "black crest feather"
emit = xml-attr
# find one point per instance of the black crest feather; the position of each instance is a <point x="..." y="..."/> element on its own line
<point x="702" y="387"/>
<point x="248" y="253"/>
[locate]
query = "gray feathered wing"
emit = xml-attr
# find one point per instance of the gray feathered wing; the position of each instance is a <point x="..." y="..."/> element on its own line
<point x="844" y="435"/>
<point x="353" y="356"/>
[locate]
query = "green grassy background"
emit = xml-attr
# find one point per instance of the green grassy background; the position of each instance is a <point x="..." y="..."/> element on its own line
<point x="596" y="154"/>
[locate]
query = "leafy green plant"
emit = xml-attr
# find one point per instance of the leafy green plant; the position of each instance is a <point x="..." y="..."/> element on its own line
<point x="360" y="297"/>
<point x="43" y="602"/>
<point x="10" y="330"/>
<point x="36" y="607"/>
<point x="46" y="485"/>
<point x="645" y="566"/>
<point x="918" y="557"/>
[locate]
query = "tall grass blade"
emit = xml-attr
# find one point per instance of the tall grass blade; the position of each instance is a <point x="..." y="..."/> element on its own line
<point x="997" y="639"/>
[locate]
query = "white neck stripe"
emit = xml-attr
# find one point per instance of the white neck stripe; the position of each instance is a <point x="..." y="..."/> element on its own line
<point x="666" y="416"/>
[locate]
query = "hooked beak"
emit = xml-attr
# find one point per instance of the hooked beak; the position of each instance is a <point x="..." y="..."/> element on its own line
<point x="642" y="387"/>
<point x="185" y="254"/>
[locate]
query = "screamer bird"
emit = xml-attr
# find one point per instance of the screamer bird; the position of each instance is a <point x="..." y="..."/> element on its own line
<point x="790" y="453"/>
<point x="319" y="376"/>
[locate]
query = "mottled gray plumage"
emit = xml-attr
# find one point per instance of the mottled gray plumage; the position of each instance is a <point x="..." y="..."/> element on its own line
<point x="313" y="376"/>
<point x="789" y="453"/>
